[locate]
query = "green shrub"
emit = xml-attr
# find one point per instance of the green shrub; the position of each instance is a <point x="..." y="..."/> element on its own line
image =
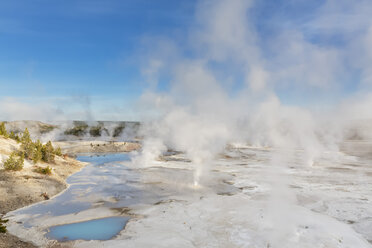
<point x="27" y="146"/>
<point x="2" y="227"/>
<point x="3" y="131"/>
<point x="95" y="131"/>
<point x="118" y="130"/>
<point x="26" y="136"/>
<point x="79" y="129"/>
<point x="34" y="151"/>
<point x="14" y="162"/>
<point x="38" y="152"/>
<point x="45" y="128"/>
<point x="14" y="136"/>
<point x="46" y="171"/>
<point x="48" y="152"/>
<point x="58" y="151"/>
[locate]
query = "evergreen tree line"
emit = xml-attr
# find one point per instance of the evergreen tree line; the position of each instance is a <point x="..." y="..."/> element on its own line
<point x="30" y="150"/>
<point x="4" y="133"/>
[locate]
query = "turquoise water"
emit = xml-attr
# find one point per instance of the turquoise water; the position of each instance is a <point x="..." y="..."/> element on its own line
<point x="97" y="159"/>
<point x="104" y="179"/>
<point x="98" y="229"/>
<point x="106" y="183"/>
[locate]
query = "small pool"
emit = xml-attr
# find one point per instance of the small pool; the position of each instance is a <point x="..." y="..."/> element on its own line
<point x="103" y="158"/>
<point x="97" y="229"/>
<point x="104" y="186"/>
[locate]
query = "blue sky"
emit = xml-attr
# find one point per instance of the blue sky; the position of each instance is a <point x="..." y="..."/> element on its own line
<point x="60" y="48"/>
<point x="59" y="52"/>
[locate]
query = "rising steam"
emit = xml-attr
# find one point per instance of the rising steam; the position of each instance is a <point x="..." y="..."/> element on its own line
<point x="226" y="85"/>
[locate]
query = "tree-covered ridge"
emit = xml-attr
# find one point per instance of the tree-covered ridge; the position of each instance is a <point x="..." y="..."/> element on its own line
<point x="35" y="151"/>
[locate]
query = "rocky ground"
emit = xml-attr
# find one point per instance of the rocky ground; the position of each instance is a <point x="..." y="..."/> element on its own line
<point x="25" y="187"/>
<point x="74" y="147"/>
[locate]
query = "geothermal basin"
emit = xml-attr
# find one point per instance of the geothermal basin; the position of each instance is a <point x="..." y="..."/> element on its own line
<point x="98" y="190"/>
<point x="249" y="197"/>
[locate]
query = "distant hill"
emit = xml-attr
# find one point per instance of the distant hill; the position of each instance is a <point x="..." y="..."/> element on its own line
<point x="81" y="130"/>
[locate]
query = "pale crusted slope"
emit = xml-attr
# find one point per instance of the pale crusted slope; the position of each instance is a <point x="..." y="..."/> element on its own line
<point x="7" y="146"/>
<point x="22" y="188"/>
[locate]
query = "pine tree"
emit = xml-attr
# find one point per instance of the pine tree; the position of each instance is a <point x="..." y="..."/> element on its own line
<point x="3" y="131"/>
<point x="27" y="145"/>
<point x="58" y="151"/>
<point x="14" y="162"/>
<point x="12" y="135"/>
<point x="48" y="152"/>
<point x="26" y="136"/>
<point x="38" y="155"/>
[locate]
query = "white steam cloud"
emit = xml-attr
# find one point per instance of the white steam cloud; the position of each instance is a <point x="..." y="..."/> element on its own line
<point x="226" y="83"/>
<point x="231" y="85"/>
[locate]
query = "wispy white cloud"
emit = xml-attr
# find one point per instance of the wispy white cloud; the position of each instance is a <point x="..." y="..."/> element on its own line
<point x="75" y="107"/>
<point x="13" y="109"/>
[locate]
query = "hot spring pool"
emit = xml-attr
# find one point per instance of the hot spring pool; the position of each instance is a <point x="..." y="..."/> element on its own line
<point x="98" y="229"/>
<point x="101" y="187"/>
